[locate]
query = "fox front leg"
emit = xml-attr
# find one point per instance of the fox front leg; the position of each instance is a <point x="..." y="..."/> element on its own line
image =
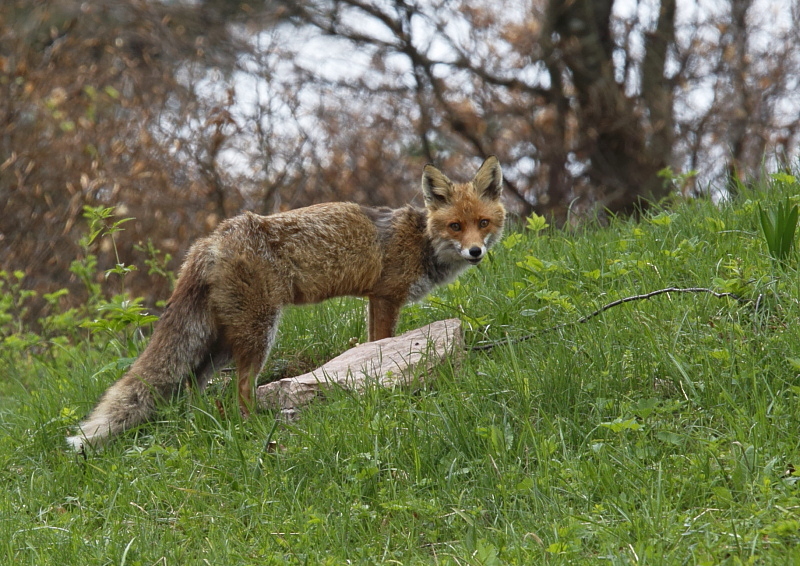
<point x="382" y="319"/>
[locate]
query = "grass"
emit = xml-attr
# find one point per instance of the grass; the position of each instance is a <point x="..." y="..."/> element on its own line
<point x="662" y="431"/>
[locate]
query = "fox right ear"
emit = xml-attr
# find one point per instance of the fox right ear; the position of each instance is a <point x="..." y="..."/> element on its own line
<point x="436" y="187"/>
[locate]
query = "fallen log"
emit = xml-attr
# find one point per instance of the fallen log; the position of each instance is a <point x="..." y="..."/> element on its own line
<point x="390" y="362"/>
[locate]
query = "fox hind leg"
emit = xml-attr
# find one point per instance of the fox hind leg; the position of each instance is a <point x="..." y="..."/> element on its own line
<point x="250" y="337"/>
<point x="217" y="359"/>
<point x="247" y="304"/>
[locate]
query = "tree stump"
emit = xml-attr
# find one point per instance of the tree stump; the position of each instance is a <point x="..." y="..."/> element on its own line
<point x="390" y="362"/>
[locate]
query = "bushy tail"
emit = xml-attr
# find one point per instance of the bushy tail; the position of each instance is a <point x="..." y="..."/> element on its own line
<point x="180" y="343"/>
<point x="127" y="403"/>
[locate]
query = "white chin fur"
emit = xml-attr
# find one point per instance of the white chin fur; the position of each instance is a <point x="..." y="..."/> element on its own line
<point x="469" y="257"/>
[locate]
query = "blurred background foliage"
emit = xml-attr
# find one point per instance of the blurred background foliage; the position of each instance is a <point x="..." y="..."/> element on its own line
<point x="182" y="113"/>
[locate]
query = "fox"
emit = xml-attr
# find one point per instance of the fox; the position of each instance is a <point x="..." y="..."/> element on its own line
<point x="232" y="285"/>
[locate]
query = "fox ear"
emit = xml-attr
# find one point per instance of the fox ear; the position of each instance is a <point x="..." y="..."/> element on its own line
<point x="436" y="187"/>
<point x="488" y="181"/>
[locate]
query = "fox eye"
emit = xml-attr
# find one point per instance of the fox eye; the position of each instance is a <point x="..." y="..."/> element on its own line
<point x="455" y="227"/>
<point x="483" y="223"/>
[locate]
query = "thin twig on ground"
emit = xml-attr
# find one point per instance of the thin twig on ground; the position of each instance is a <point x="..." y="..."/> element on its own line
<point x="489" y="345"/>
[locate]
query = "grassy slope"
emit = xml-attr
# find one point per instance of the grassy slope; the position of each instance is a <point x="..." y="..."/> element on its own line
<point x="662" y="431"/>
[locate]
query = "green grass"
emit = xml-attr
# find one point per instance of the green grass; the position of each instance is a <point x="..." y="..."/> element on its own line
<point x="662" y="431"/>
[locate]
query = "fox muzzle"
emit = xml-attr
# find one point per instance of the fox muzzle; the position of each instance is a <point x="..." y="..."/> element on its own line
<point x="474" y="254"/>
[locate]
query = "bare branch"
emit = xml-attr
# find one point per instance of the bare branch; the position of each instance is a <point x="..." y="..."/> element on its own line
<point x="489" y="345"/>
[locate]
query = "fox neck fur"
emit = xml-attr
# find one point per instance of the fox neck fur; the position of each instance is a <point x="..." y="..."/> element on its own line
<point x="234" y="283"/>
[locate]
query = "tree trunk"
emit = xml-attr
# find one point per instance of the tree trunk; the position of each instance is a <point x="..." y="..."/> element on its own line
<point x="626" y="146"/>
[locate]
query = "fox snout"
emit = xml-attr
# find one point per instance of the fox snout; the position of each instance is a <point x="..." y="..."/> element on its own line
<point x="474" y="254"/>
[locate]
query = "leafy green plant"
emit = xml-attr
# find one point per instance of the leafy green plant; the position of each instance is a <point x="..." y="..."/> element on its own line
<point x="155" y="260"/>
<point x="101" y="224"/>
<point x="536" y="223"/>
<point x="120" y="317"/>
<point x="676" y="180"/>
<point x="778" y="225"/>
<point x="13" y="302"/>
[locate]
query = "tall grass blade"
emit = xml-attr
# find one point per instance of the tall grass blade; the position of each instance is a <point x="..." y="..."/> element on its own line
<point x="779" y="226"/>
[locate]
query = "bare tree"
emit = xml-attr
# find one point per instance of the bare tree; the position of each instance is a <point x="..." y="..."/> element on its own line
<point x="98" y="106"/>
<point x="537" y="85"/>
<point x="585" y="101"/>
<point x="744" y="59"/>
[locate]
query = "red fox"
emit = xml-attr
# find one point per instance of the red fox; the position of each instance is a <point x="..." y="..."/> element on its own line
<point x="233" y="284"/>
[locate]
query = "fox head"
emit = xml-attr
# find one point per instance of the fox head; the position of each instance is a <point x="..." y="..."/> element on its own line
<point x="464" y="219"/>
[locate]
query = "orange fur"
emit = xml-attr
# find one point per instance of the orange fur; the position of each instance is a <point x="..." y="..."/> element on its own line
<point x="233" y="284"/>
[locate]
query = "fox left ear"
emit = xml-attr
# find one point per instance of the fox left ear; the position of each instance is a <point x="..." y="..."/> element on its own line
<point x="436" y="187"/>
<point x="488" y="181"/>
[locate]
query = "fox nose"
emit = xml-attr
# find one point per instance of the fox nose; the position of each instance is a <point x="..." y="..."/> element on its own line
<point x="475" y="252"/>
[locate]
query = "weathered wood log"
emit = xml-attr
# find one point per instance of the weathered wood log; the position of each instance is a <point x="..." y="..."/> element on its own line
<point x="389" y="362"/>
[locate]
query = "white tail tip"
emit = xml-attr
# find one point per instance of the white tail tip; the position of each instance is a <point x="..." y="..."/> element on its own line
<point x="76" y="443"/>
<point x="93" y="434"/>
